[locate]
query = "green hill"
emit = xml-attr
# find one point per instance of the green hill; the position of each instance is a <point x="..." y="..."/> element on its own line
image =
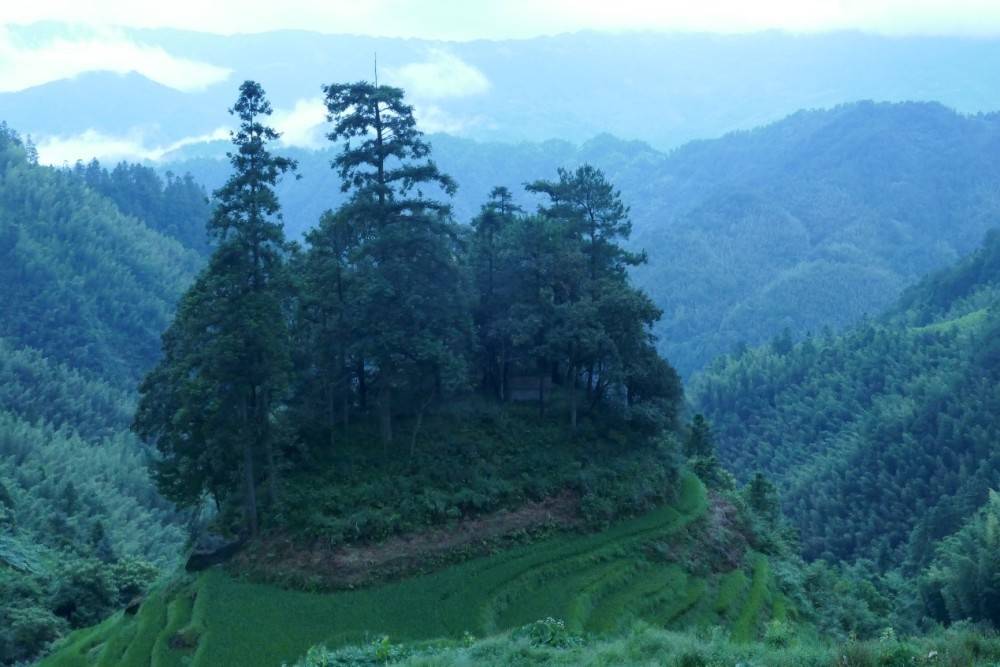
<point x="86" y="294"/>
<point x="882" y="439"/>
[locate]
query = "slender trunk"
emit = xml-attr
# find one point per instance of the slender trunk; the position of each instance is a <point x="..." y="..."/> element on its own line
<point x="381" y="158"/>
<point x="250" y="492"/>
<point x="502" y="376"/>
<point x="541" y="394"/>
<point x="331" y="410"/>
<point x="272" y="474"/>
<point x="263" y="440"/>
<point x="418" y="424"/>
<point x="345" y="386"/>
<point x="362" y="385"/>
<point x="590" y="380"/>
<point x="385" y="416"/>
<point x="572" y="397"/>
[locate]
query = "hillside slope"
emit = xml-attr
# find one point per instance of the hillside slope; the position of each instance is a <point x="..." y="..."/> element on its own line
<point x="883" y="438"/>
<point x="86" y="292"/>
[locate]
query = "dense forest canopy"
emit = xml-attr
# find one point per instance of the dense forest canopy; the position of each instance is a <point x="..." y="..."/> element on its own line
<point x="176" y="206"/>
<point x="882" y="439"/>
<point x="86" y="292"/>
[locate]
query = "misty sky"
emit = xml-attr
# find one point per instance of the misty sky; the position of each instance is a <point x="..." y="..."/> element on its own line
<point x="501" y="19"/>
<point x="93" y="36"/>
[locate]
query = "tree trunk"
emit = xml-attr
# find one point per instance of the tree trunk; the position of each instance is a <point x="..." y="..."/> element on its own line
<point x="250" y="492"/>
<point x="418" y="424"/>
<point x="362" y="385"/>
<point x="272" y="474"/>
<point x="541" y="394"/>
<point x="572" y="398"/>
<point x="345" y="387"/>
<point x="263" y="440"/>
<point x="385" y="415"/>
<point x="331" y="408"/>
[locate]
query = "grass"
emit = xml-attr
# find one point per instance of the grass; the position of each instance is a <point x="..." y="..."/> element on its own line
<point x="750" y="615"/>
<point x="597" y="583"/>
<point x="731" y="588"/>
<point x="646" y="646"/>
<point x="963" y="323"/>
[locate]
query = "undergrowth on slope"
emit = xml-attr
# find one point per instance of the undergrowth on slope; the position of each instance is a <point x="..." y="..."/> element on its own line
<point x="548" y="642"/>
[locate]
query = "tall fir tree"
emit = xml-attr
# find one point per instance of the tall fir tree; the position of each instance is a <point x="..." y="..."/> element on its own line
<point x="210" y="404"/>
<point x="494" y="279"/>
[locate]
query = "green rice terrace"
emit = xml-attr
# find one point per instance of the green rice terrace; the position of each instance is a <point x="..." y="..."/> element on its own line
<point x="597" y="583"/>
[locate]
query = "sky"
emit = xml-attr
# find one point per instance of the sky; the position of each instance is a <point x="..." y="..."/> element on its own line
<point x="93" y="36"/>
<point x="504" y="19"/>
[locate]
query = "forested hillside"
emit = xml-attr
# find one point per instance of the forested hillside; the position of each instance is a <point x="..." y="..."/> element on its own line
<point x="408" y="426"/>
<point x="882" y="439"/>
<point x="813" y="221"/>
<point x="176" y="206"/>
<point x="86" y="293"/>
<point x="403" y="403"/>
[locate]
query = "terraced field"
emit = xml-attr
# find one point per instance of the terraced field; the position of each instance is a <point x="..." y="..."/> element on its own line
<point x="593" y="582"/>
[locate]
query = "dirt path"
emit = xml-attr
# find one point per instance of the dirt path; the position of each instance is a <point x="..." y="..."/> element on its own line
<point x="356" y="565"/>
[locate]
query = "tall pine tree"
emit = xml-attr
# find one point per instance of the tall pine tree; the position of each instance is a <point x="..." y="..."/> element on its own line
<point x="414" y="316"/>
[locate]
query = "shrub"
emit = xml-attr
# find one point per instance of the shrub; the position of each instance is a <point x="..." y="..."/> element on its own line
<point x="546" y="632"/>
<point x="84" y="592"/>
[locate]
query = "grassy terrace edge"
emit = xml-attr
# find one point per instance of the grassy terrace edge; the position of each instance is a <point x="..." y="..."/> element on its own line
<point x="596" y="583"/>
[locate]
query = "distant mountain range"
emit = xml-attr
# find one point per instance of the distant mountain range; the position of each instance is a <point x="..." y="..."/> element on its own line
<point x="814" y="221"/>
<point x="665" y="89"/>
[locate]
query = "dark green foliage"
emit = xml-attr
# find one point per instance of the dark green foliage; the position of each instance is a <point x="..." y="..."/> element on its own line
<point x="699" y="440"/>
<point x="554" y="299"/>
<point x="411" y="321"/>
<point x="27" y="623"/>
<point x="550" y="632"/>
<point x="472" y="460"/>
<point x="86" y="292"/>
<point x="762" y="497"/>
<point x="84" y="593"/>
<point x="881" y="439"/>
<point x="177" y="208"/>
<point x="90" y="288"/>
<point x="209" y="405"/>
<point x="963" y="581"/>
<point x="699" y="448"/>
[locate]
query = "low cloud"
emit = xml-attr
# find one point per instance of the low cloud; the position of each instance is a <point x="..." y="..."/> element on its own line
<point x="441" y="76"/>
<point x="26" y="65"/>
<point x="91" y="144"/>
<point x="432" y="118"/>
<point x="302" y="125"/>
